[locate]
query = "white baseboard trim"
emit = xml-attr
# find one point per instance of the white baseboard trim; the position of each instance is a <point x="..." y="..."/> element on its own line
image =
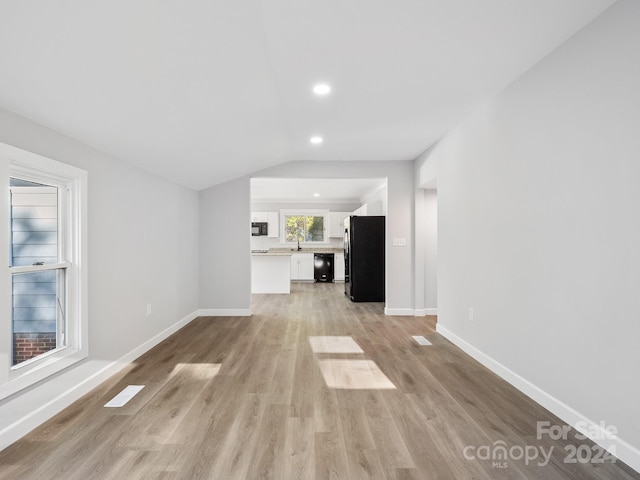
<point x="410" y="312"/>
<point x="399" y="311"/>
<point x="421" y="312"/>
<point x="155" y="340"/>
<point x="224" y="312"/>
<point x="623" y="450"/>
<point x="52" y="397"/>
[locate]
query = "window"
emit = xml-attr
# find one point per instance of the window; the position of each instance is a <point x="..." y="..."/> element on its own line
<point x="304" y="227"/>
<point x="47" y="324"/>
<point x="37" y="268"/>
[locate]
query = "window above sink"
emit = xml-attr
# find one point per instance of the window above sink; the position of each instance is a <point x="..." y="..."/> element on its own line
<point x="304" y="227"/>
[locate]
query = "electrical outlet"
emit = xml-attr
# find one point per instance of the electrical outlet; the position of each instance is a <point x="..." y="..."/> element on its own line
<point x="148" y="310"/>
<point x="399" y="242"/>
<point x="471" y="315"/>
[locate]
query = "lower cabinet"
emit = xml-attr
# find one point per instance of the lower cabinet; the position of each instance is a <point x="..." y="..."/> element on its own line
<point x="302" y="266"/>
<point x="270" y="274"/>
<point x="338" y="267"/>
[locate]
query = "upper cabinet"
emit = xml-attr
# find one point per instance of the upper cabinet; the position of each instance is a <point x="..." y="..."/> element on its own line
<point x="274" y="221"/>
<point x="259" y="216"/>
<point x="272" y="218"/>
<point x="336" y="223"/>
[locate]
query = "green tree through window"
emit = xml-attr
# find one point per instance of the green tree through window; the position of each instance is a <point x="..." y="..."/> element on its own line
<point x="304" y="228"/>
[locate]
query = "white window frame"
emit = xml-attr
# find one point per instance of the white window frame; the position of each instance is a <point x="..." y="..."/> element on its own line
<point x="72" y="210"/>
<point x="308" y="213"/>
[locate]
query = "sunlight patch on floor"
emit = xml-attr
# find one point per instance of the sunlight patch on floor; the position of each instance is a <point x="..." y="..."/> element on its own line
<point x="197" y="371"/>
<point x="354" y="374"/>
<point x="334" y="344"/>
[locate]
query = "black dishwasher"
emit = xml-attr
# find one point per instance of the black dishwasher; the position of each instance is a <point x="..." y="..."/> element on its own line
<point x="323" y="267"/>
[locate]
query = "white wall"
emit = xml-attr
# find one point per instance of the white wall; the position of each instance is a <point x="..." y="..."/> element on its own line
<point x="426" y="251"/>
<point x="225" y="263"/>
<point x="538" y="228"/>
<point x="143" y="248"/>
<point x="377" y="202"/>
<point x="275" y="207"/>
<point x="233" y="197"/>
<point x="429" y="219"/>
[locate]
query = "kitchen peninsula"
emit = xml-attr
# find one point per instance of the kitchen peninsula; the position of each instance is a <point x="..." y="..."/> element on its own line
<point x="270" y="271"/>
<point x="273" y="270"/>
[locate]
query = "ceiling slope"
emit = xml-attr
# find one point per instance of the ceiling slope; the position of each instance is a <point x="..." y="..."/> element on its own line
<point x="201" y="92"/>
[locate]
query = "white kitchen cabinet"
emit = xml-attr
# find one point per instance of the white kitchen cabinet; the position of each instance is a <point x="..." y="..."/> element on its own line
<point x="302" y="266"/>
<point x="259" y="217"/>
<point x="336" y="223"/>
<point x="338" y="267"/>
<point x="273" y="219"/>
<point x="270" y="274"/>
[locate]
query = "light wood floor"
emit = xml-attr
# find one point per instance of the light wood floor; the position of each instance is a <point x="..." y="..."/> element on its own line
<point x="247" y="398"/>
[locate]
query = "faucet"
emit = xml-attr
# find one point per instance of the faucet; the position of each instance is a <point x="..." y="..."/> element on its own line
<point x="299" y="248"/>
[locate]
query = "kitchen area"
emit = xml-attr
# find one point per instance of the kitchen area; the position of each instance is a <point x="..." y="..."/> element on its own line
<point x="298" y="229"/>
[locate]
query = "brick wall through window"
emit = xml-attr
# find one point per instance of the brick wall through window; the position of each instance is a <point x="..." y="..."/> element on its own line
<point x="29" y="345"/>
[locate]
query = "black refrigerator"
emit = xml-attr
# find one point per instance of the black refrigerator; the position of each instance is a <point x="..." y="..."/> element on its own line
<point x="364" y="259"/>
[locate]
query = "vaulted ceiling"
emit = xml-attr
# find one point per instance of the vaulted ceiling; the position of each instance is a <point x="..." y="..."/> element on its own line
<point x="202" y="91"/>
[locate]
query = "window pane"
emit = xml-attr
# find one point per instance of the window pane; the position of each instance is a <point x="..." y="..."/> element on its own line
<point x="294" y="228"/>
<point x="315" y="229"/>
<point x="37" y="313"/>
<point x="34" y="223"/>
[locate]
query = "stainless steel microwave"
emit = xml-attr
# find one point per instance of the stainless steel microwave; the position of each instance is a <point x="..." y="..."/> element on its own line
<point x="259" y="228"/>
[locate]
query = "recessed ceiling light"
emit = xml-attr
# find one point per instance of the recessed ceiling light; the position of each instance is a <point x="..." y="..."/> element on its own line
<point x="316" y="140"/>
<point x="321" y="89"/>
<point x="316" y="194"/>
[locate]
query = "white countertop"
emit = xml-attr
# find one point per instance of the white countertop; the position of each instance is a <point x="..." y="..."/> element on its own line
<point x="289" y="251"/>
<point x="271" y="254"/>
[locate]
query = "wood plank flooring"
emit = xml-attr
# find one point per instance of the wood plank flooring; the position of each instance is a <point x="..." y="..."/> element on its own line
<point x="247" y="398"/>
